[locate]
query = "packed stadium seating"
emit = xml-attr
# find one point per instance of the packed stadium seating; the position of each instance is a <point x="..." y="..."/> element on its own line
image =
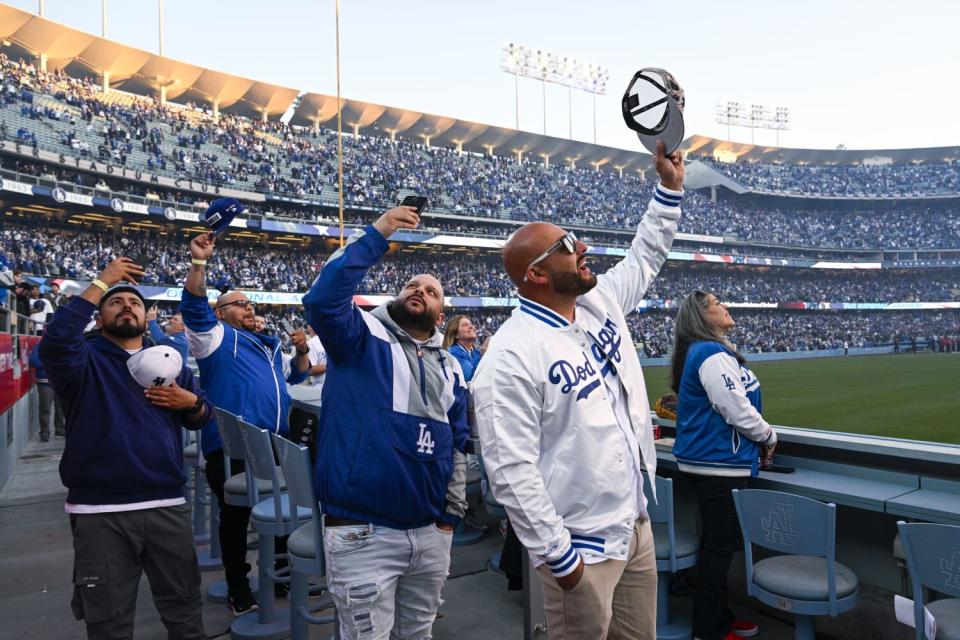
<point x="41" y="251"/>
<point x="55" y="112"/>
<point x="757" y="331"/>
<point x="72" y="117"/>
<point x="877" y="181"/>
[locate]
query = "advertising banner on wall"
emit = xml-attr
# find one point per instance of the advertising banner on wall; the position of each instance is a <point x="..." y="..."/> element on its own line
<point x="9" y="386"/>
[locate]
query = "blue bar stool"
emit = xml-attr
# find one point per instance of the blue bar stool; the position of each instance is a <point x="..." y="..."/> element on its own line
<point x="676" y="549"/>
<point x="305" y="545"/>
<point x="196" y="490"/>
<point x="807" y="580"/>
<point x="236" y="491"/>
<point x="273" y="517"/>
<point x="933" y="560"/>
<point x="465" y="535"/>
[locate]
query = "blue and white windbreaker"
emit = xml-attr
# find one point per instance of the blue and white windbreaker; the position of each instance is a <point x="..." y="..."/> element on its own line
<point x="719" y="426"/>
<point x="393" y="428"/>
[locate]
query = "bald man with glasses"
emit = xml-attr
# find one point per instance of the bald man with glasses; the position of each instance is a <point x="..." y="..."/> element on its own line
<point x="242" y="372"/>
<point x="564" y="421"/>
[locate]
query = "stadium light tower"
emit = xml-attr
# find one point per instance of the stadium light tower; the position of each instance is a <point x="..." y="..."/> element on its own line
<point x="160" y="26"/>
<point x="757" y="117"/>
<point x="519" y="60"/>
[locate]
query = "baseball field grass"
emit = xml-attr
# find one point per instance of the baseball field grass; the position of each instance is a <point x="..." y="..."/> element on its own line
<point x="915" y="396"/>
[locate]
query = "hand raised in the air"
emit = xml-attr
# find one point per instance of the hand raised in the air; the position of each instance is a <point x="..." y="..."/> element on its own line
<point x="122" y="269"/>
<point x="397" y="218"/>
<point x="201" y="247"/>
<point x="669" y="168"/>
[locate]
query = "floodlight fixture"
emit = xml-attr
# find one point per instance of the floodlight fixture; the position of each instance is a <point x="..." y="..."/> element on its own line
<point x="757" y="116"/>
<point x="526" y="62"/>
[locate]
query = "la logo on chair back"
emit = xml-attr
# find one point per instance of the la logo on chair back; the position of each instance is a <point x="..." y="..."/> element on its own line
<point x="780" y="527"/>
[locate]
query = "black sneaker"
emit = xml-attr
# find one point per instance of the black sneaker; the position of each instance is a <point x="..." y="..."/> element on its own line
<point x="242" y="603"/>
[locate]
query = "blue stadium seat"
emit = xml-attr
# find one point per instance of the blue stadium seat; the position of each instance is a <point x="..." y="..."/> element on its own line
<point x="305" y="545"/>
<point x="676" y="549"/>
<point x="464" y="534"/>
<point x="236" y="491"/>
<point x="933" y="559"/>
<point x="272" y="518"/>
<point x="806" y="581"/>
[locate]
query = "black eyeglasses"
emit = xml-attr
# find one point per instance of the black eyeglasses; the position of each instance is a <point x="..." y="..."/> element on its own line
<point x="243" y="304"/>
<point x="568" y="242"/>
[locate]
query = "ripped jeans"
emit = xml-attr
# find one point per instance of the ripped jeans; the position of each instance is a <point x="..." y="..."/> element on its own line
<point x="386" y="582"/>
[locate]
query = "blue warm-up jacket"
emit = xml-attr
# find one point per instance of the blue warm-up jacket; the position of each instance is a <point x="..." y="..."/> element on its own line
<point x="241" y="371"/>
<point x="393" y="427"/>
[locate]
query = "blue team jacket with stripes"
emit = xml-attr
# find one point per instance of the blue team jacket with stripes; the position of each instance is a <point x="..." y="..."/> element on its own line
<point x="393" y="425"/>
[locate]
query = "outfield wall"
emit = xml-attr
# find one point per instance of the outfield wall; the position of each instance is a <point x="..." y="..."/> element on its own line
<point x="791" y="355"/>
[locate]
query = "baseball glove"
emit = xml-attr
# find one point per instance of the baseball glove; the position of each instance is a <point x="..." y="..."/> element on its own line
<point x="666" y="406"/>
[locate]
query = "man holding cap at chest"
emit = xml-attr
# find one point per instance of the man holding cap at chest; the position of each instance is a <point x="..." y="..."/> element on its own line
<point x="123" y="459"/>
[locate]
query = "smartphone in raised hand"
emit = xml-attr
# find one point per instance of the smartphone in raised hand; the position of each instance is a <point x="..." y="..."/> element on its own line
<point x="418" y="203"/>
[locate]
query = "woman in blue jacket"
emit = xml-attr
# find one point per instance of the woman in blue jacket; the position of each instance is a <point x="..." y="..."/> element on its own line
<point x="720" y="434"/>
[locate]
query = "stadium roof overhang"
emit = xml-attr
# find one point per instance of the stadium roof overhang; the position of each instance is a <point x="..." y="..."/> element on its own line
<point x="704" y="146"/>
<point x="80" y="54"/>
<point x="315" y="109"/>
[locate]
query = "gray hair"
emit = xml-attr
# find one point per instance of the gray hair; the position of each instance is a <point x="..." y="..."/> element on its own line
<point x="691" y="326"/>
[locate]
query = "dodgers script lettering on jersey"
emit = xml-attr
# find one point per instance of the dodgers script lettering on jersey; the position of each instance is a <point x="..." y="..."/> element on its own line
<point x="608" y="337"/>
<point x="605" y="349"/>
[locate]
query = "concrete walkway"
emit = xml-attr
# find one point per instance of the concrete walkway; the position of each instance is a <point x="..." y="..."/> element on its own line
<point x="36" y="558"/>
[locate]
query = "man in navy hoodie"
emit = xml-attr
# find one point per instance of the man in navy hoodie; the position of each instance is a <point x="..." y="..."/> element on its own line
<point x="123" y="463"/>
<point x="242" y="371"/>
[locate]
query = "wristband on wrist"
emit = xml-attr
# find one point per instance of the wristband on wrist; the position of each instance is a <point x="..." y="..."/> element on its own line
<point x="198" y="407"/>
<point x="198" y="262"/>
<point x="100" y="284"/>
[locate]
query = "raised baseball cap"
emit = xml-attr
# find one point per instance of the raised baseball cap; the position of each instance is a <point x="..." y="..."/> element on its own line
<point x="155" y="366"/>
<point x="653" y="107"/>
<point x="221" y="212"/>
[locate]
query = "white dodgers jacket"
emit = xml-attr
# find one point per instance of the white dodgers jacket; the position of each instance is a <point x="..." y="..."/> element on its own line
<point x="552" y="447"/>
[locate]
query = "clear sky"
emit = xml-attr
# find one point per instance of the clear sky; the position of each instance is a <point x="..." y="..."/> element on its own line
<point x="879" y="74"/>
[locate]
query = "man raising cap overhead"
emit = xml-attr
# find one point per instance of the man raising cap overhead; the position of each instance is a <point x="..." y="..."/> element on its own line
<point x="123" y="460"/>
<point x="242" y="372"/>
<point x="175" y="335"/>
<point x="564" y="421"/>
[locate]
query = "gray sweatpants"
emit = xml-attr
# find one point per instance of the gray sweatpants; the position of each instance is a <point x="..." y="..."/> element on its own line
<point x="49" y="399"/>
<point x="111" y="550"/>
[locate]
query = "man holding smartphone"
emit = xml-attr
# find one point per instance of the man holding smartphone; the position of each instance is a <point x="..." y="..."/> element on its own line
<point x="391" y="467"/>
<point x="123" y="463"/>
<point x="242" y="372"/>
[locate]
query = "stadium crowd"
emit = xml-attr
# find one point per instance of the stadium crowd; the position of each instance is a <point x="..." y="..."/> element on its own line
<point x="272" y="157"/>
<point x="850" y="181"/>
<point x="757" y="331"/>
<point x="38" y="250"/>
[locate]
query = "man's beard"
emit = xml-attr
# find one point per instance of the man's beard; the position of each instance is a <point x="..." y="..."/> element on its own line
<point x="425" y="321"/>
<point x="120" y="329"/>
<point x="571" y="282"/>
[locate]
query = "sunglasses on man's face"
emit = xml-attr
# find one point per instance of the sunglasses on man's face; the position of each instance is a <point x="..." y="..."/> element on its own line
<point x="243" y="304"/>
<point x="568" y="242"/>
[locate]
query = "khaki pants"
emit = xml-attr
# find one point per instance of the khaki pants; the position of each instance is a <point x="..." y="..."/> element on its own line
<point x="615" y="599"/>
